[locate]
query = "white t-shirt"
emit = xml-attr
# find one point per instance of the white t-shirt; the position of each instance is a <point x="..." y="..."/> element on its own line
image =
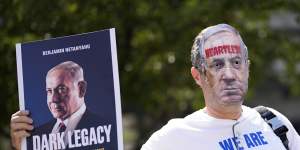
<point x="199" y="131"/>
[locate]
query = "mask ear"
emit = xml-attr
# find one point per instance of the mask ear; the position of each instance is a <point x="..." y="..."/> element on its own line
<point x="196" y="75"/>
<point x="82" y="85"/>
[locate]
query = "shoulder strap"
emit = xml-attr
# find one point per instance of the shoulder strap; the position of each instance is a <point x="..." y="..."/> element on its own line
<point x="277" y="125"/>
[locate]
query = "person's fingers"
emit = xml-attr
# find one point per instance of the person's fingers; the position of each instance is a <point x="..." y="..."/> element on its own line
<point x="21" y="126"/>
<point x="20" y="123"/>
<point x="21" y="113"/>
<point x="21" y="119"/>
<point x="16" y="138"/>
<point x="20" y="134"/>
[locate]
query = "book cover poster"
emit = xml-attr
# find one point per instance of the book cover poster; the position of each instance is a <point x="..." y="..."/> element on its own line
<point x="70" y="85"/>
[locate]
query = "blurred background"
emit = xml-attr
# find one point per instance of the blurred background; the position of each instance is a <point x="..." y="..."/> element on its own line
<point x="154" y="39"/>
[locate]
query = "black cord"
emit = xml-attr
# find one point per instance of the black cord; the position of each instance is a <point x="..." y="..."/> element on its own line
<point x="234" y="135"/>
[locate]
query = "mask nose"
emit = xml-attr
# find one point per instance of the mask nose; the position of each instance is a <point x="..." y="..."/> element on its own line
<point x="228" y="75"/>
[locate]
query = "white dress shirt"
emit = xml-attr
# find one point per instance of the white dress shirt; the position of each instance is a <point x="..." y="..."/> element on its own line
<point x="71" y="122"/>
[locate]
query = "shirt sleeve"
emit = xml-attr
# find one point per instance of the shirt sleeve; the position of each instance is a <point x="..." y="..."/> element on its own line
<point x="292" y="135"/>
<point x="154" y="142"/>
<point x="164" y="138"/>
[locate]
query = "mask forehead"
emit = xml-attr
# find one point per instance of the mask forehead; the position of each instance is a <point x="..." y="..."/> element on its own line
<point x="223" y="44"/>
<point x="198" y="56"/>
<point x="221" y="38"/>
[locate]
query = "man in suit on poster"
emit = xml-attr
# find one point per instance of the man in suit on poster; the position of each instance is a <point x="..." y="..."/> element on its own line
<point x="66" y="88"/>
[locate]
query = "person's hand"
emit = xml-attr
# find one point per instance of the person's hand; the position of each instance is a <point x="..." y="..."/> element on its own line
<point x="20" y="125"/>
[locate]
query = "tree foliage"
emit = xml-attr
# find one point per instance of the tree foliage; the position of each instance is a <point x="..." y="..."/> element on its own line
<point x="154" y="39"/>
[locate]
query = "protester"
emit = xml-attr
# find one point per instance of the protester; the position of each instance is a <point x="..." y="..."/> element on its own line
<point x="220" y="67"/>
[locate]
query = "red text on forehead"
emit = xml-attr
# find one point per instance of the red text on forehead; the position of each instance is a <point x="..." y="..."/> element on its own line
<point x="222" y="49"/>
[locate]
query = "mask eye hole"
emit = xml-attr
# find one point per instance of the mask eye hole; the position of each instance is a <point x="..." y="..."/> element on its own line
<point x="236" y="63"/>
<point x="218" y="65"/>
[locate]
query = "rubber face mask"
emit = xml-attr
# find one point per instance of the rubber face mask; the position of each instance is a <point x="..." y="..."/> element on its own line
<point x="226" y="69"/>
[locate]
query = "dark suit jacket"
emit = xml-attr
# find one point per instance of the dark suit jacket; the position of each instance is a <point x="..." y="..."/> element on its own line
<point x="87" y="121"/>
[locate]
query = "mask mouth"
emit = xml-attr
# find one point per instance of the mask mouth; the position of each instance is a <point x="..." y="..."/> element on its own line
<point x="232" y="93"/>
<point x="230" y="89"/>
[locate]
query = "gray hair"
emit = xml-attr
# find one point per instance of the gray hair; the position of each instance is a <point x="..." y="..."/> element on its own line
<point x="74" y="70"/>
<point x="197" y="52"/>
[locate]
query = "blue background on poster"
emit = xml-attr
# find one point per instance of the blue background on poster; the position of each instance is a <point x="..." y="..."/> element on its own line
<point x="96" y="63"/>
